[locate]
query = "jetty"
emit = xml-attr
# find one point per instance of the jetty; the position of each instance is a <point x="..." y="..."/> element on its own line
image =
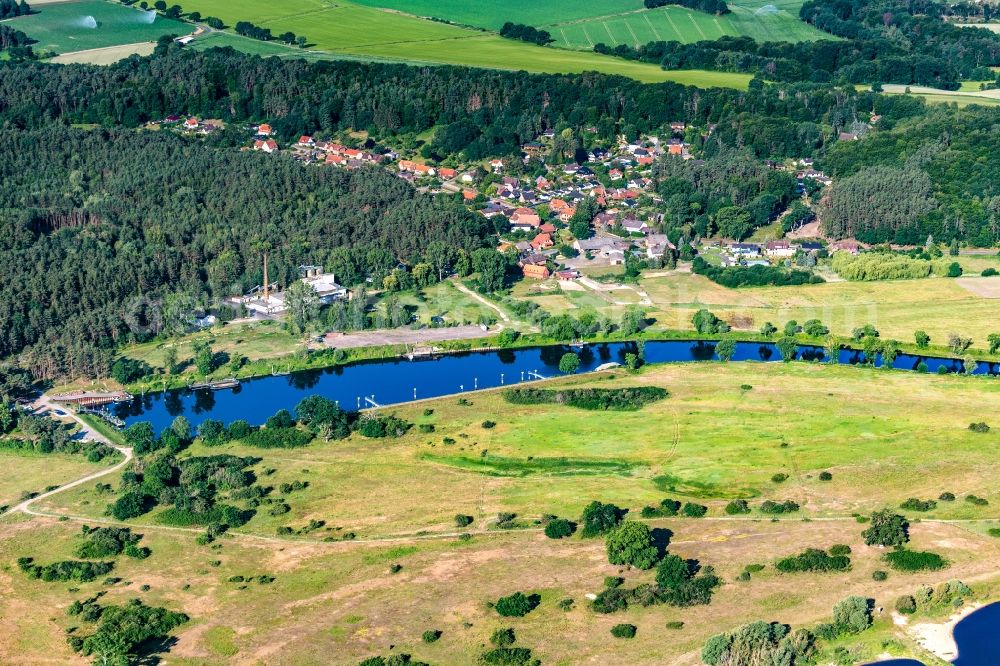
<point x="92" y="398"/>
<point x="216" y="385"/>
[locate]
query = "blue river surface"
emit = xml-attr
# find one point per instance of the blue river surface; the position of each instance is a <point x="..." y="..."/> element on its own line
<point x="398" y="380"/>
<point x="977" y="637"/>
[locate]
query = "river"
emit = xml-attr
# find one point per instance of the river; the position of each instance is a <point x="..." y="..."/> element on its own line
<point x="394" y="381"/>
<point x="977" y="637"/>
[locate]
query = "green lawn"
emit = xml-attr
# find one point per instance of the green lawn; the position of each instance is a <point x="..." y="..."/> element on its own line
<point x="492" y="15"/>
<point x="64" y="27"/>
<point x="28" y="472"/>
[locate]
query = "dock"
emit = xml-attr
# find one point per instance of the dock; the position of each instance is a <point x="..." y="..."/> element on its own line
<point x="92" y="398"/>
<point x="217" y="385"/>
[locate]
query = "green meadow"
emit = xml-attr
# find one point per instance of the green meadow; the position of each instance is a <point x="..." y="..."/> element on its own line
<point x="91" y="24"/>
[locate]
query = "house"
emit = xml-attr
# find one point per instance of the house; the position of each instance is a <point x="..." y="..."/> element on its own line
<point x="324" y="284"/>
<point x="810" y="246"/>
<point x="634" y="226"/>
<point x="678" y="126"/>
<point x="496" y="166"/>
<point x="852" y="246"/>
<point x="469" y="195"/>
<point x="547" y="228"/>
<point x="604" y="219"/>
<point x="657" y="246"/>
<point x="779" y="248"/>
<point x="645" y="161"/>
<point x="468" y="177"/>
<point x="445" y="172"/>
<point x="268" y="146"/>
<point x="571" y="169"/>
<point x="568" y="275"/>
<point x="532" y="147"/>
<point x="535" y="272"/>
<point x="191" y="124"/>
<point x="306" y="140"/>
<point x="414" y="168"/>
<point x="675" y="147"/>
<point x="542" y="242"/>
<point x="338" y="160"/>
<point x="525" y="219"/>
<point x="744" y="250"/>
<point x="264" y="130"/>
<point x="847" y="136"/>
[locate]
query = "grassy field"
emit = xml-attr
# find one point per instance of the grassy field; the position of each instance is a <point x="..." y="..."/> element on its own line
<point x="27" y="472"/>
<point x="709" y="441"/>
<point x="968" y="94"/>
<point x="66" y="27"/>
<point x="897" y="308"/>
<point x="581" y="26"/>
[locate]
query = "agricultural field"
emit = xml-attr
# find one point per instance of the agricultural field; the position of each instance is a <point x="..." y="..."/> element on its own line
<point x="723" y="432"/>
<point x="581" y="26"/>
<point x="82" y="25"/>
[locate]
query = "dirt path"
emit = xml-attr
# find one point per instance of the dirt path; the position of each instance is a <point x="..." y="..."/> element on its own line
<point x="485" y="301"/>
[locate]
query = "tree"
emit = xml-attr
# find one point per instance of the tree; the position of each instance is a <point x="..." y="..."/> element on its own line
<point x="886" y="529"/>
<point x="815" y="328"/>
<point x="600" y="518"/>
<point x="725" y="349"/>
<point x="787" y="348"/>
<point x="957" y="343"/>
<point x="852" y="614"/>
<point x="303" y="304"/>
<point x="733" y="222"/>
<point x="181" y="427"/>
<point x="672" y="571"/>
<point x="994" y="341"/>
<point x="707" y="323"/>
<point x="204" y="358"/>
<point x="492" y="268"/>
<point x="569" y="363"/>
<point x="922" y="339"/>
<point x="633" y="320"/>
<point x="631" y="544"/>
<point x="768" y="329"/>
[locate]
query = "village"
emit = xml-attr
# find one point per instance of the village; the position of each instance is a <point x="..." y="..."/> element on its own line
<point x="533" y="203"/>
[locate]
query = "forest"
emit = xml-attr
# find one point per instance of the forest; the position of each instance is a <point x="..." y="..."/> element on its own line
<point x="99" y="227"/>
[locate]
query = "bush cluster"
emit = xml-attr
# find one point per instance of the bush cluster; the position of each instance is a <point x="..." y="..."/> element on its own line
<point x="623" y="399"/>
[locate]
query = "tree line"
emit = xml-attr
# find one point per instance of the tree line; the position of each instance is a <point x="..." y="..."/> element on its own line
<point x="710" y="6"/>
<point x="525" y="33"/>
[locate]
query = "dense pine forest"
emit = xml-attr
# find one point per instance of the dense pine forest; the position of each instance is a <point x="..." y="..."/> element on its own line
<point x="97" y="224"/>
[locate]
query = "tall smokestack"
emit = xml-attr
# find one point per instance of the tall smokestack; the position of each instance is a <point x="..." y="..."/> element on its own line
<point x="266" y="285"/>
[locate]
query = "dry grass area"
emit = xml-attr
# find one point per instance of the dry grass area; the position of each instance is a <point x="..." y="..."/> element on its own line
<point x="338" y="603"/>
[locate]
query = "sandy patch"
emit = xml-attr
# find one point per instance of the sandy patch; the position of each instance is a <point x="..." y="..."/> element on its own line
<point x="106" y="55"/>
<point x="985" y="287"/>
<point x="938" y="638"/>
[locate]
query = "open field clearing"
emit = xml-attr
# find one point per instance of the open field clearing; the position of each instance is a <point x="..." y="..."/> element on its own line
<point x="897" y="308"/>
<point x="959" y="97"/>
<point x="92" y="24"/>
<point x="105" y="55"/>
<point x="710" y="440"/>
<point x="492" y="15"/>
<point x="340" y="601"/>
<point x="29" y="472"/>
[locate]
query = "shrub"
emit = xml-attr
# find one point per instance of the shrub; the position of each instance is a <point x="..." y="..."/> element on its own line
<point x="825" y="476"/>
<point x="517" y="604"/>
<point x="879" y="575"/>
<point x="906" y="604"/>
<point x="914" y="504"/>
<point x="780" y="477"/>
<point x="622" y="399"/>
<point x="426" y="428"/>
<point x="737" y="506"/>
<point x="691" y="510"/>
<point x="378" y="426"/>
<point x="106" y="542"/>
<point x="771" y="507"/>
<point x="947" y="497"/>
<point x="913" y="560"/>
<point x="64" y="571"/>
<point x="559" y="528"/>
<point x="675" y="624"/>
<point x="990" y="272"/>
<point x="852" y="614"/>
<point x="462" y="520"/>
<point x="431" y="635"/>
<point x="980" y="427"/>
<point x="667" y="507"/>
<point x="278" y="438"/>
<point x="631" y="544"/>
<point x="994" y="532"/>
<point x="813" y="559"/>
<point x="840" y="549"/>
<point x="503" y="637"/>
<point x="623" y="631"/>
<point x="977" y="501"/>
<point x="489" y="424"/>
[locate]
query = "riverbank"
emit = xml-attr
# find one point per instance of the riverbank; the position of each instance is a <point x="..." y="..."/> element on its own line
<point x="938" y="638"/>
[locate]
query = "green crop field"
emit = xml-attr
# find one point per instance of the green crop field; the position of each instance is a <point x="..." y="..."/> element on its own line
<point x="581" y="26"/>
<point x="348" y="29"/>
<point x="92" y="24"/>
<point x="492" y="15"/>
<point x="765" y="22"/>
